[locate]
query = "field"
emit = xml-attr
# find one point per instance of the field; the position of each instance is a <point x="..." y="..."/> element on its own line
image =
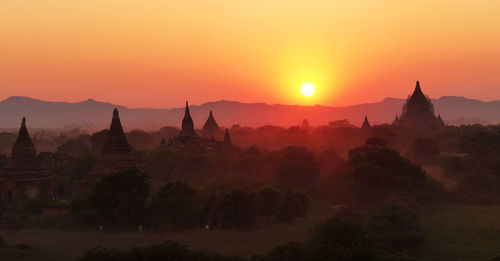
<point x="461" y="233"/>
<point x="451" y="232"/>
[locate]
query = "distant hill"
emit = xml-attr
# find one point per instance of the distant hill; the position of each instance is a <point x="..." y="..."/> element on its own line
<point x="93" y="115"/>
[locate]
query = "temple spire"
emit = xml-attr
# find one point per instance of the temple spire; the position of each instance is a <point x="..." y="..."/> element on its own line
<point x="116" y="141"/>
<point x="418" y="91"/>
<point x="227" y="138"/>
<point x="23" y="146"/>
<point x="187" y="123"/>
<point x="418" y="111"/>
<point x="211" y="127"/>
<point x="116" y="151"/>
<point x="366" y="124"/>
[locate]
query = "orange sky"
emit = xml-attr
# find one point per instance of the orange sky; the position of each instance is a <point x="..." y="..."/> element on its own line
<point x="159" y="53"/>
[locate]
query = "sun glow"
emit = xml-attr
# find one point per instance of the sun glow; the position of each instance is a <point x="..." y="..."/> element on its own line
<point x="307" y="89"/>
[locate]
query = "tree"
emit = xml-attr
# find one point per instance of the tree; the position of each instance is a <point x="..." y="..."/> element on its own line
<point x="268" y="201"/>
<point x="375" y="142"/>
<point x="423" y="149"/>
<point x="141" y="140"/>
<point x="74" y="148"/>
<point x="297" y="169"/>
<point x="179" y="205"/>
<point x="97" y="140"/>
<point x="238" y="209"/>
<point x="121" y="197"/>
<point x="394" y="228"/>
<point x="293" y="204"/>
<point x="379" y="172"/>
<point x="337" y="240"/>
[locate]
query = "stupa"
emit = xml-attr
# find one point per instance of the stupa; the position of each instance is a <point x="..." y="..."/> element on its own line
<point x="116" y="152"/>
<point x="24" y="176"/>
<point x="211" y="127"/>
<point x="418" y="112"/>
<point x="366" y="124"/>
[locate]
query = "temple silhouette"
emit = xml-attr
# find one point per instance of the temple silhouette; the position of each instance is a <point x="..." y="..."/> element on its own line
<point x="116" y="153"/>
<point x="24" y="176"/>
<point x="418" y="112"/>
<point x="366" y="124"/>
<point x="189" y="139"/>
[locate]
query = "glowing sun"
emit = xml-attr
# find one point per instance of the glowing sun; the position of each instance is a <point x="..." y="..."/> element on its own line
<point x="307" y="89"/>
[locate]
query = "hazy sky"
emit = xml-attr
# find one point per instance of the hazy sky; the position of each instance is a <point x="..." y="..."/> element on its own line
<point x="160" y="53"/>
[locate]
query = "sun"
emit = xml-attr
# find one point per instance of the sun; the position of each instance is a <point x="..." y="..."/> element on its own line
<point x="307" y="89"/>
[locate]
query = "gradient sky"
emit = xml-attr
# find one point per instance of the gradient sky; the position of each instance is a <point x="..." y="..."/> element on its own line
<point x="160" y="53"/>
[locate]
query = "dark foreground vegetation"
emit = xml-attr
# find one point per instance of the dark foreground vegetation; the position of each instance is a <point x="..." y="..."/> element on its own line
<point x="389" y="188"/>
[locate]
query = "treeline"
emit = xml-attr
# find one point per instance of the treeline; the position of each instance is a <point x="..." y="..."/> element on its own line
<point x="123" y="200"/>
<point x="388" y="231"/>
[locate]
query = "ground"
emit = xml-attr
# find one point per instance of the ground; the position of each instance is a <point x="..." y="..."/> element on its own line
<point x="461" y="233"/>
<point x="452" y="232"/>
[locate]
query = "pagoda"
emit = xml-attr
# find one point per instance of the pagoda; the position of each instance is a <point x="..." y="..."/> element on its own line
<point x="366" y="124"/>
<point x="190" y="140"/>
<point x="227" y="139"/>
<point x="211" y="127"/>
<point x="418" y="112"/>
<point x="116" y="152"/>
<point x="24" y="176"/>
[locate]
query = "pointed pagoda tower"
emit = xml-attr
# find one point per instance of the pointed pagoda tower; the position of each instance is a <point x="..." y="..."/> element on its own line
<point x="116" y="152"/>
<point x="396" y="119"/>
<point x="366" y="124"/>
<point x="187" y="124"/>
<point x="418" y="112"/>
<point x="227" y="139"/>
<point x="24" y="176"/>
<point x="211" y="127"/>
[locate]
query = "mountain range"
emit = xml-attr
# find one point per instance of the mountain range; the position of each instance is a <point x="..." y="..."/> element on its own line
<point x="93" y="115"/>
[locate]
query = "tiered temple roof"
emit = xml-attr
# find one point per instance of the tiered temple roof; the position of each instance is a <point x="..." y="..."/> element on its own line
<point x="116" y="152"/>
<point x="418" y="111"/>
